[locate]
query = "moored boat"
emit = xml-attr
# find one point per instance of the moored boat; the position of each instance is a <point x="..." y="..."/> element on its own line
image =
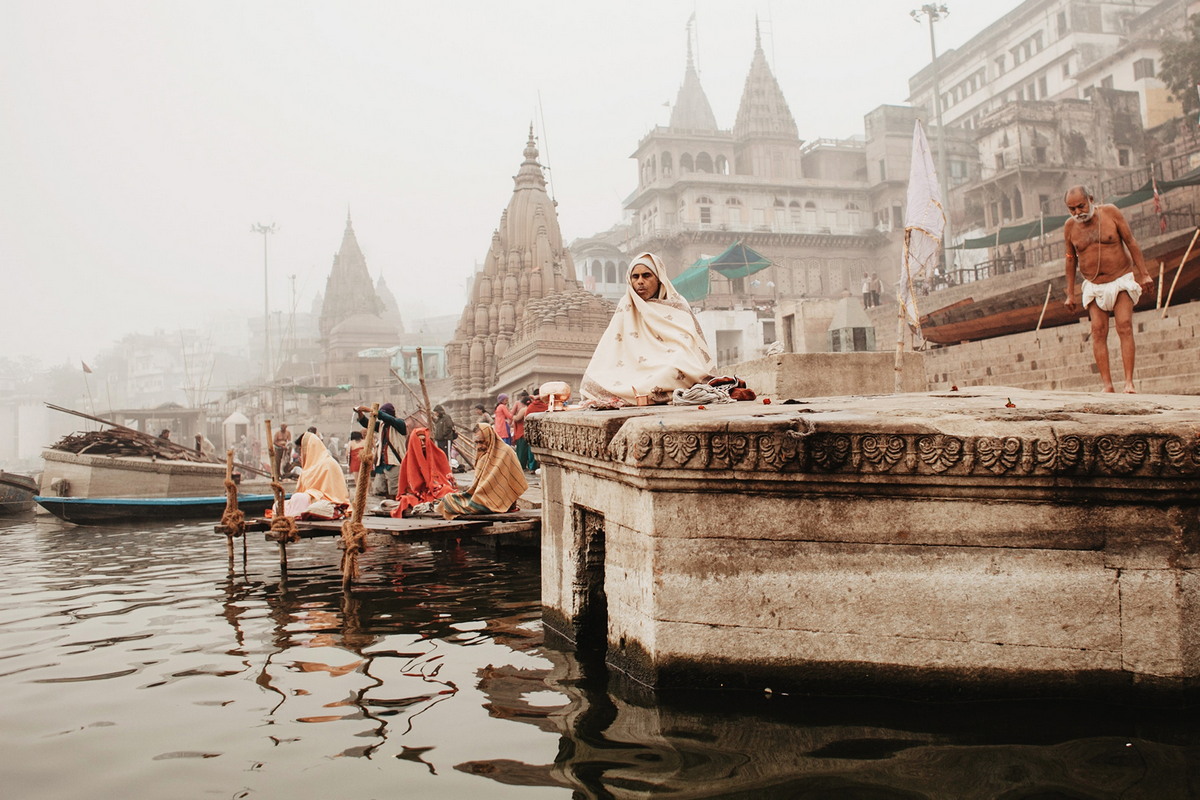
<point x="16" y="493"/>
<point x="101" y="510"/>
<point x="1018" y="309"/>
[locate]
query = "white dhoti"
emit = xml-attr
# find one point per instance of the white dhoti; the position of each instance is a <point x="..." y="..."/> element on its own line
<point x="1105" y="294"/>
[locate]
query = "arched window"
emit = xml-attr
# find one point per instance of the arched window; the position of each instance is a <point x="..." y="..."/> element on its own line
<point x="666" y="165"/>
<point x="796" y="213"/>
<point x="704" y="163"/>
<point x="610" y="270"/>
<point x="597" y="270"/>
<point x="810" y="213"/>
<point x="733" y="211"/>
<point x="722" y="165"/>
<point x="685" y="163"/>
<point x="704" y="203"/>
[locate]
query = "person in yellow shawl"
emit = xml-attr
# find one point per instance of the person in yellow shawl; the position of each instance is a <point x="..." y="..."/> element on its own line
<point x="499" y="479"/>
<point x="653" y="341"/>
<point x="321" y="478"/>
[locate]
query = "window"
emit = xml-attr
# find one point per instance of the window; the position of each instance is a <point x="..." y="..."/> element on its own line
<point x="1039" y="154"/>
<point x="1044" y="203"/>
<point x="705" y="204"/>
<point x="1066" y="69"/>
<point x="1123" y="156"/>
<point x="1106" y="83"/>
<point x="958" y="169"/>
<point x="1043" y="87"/>
<point x="1143" y="68"/>
<point x="1000" y="65"/>
<point x="1062" y="23"/>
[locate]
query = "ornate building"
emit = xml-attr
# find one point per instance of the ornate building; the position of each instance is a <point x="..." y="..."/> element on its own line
<point x="527" y="320"/>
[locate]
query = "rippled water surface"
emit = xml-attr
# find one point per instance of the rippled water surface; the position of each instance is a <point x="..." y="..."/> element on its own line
<point x="144" y="663"/>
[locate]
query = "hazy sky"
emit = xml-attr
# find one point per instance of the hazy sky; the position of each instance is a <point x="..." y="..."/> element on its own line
<point x="139" y="141"/>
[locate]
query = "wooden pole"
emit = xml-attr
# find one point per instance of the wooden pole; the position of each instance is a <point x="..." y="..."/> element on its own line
<point x="424" y="389"/>
<point x="898" y="367"/>
<point x="354" y="533"/>
<point x="1042" y="316"/>
<point x="277" y="488"/>
<point x="1158" y="300"/>
<point x="1178" y="272"/>
<point x="229" y="476"/>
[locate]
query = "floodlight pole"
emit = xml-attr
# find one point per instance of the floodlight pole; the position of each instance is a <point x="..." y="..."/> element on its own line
<point x="265" y="230"/>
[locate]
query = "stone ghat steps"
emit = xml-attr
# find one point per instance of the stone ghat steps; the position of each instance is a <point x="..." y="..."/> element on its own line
<point x="1168" y="357"/>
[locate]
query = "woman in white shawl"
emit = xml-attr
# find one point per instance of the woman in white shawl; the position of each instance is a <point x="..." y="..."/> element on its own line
<point x="653" y="341"/>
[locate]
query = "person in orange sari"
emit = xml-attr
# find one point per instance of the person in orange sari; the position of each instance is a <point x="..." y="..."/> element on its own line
<point x="425" y="473"/>
<point x="321" y="478"/>
<point x="498" y="482"/>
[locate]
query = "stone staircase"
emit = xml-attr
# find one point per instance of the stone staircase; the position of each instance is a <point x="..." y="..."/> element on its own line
<point x="1168" y="357"/>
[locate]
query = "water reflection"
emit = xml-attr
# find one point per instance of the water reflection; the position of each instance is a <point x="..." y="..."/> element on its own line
<point x="159" y="661"/>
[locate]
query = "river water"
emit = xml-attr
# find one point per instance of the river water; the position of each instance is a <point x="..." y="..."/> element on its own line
<point x="144" y="663"/>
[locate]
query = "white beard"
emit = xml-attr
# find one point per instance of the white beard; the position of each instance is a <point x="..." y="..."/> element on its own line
<point x="1086" y="215"/>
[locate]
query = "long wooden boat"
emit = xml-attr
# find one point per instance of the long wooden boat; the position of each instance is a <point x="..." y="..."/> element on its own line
<point x="16" y="493"/>
<point x="1017" y="310"/>
<point x="101" y="510"/>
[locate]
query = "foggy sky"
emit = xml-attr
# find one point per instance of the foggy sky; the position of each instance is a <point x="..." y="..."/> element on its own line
<point x="141" y="140"/>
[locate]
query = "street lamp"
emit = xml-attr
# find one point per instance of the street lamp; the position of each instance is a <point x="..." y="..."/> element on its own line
<point x="265" y="230"/>
<point x="935" y="12"/>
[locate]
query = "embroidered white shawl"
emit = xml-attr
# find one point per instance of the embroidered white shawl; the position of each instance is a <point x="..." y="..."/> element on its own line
<point x="649" y="344"/>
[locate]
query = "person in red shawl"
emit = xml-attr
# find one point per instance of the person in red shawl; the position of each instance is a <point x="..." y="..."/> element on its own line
<point x="425" y="473"/>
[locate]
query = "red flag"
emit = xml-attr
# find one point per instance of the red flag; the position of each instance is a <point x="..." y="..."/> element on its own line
<point x="86" y="368"/>
<point x="1158" y="208"/>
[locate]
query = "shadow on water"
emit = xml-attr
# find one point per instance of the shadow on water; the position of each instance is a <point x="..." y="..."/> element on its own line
<point x="449" y="638"/>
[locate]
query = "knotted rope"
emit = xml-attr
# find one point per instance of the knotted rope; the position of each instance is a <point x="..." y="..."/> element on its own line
<point x="233" y="521"/>
<point x="354" y="533"/>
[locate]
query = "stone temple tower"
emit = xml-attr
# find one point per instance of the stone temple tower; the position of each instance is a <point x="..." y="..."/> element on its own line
<point x="527" y="320"/>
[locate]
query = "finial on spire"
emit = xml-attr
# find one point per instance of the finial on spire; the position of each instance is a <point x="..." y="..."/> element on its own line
<point x="757" y="36"/>
<point x="347" y="214"/>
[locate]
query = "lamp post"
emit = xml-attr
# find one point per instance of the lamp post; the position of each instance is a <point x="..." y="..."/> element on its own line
<point x="265" y="230"/>
<point x="935" y="12"/>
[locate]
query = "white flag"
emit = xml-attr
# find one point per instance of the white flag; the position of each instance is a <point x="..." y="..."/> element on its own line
<point x="924" y="221"/>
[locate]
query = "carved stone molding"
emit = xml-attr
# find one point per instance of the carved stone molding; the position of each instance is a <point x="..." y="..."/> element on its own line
<point x="786" y="449"/>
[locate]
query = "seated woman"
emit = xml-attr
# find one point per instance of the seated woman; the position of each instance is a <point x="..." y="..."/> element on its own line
<point x="653" y="341"/>
<point x="498" y="482"/>
<point x="320" y="478"/>
<point x="424" y="473"/>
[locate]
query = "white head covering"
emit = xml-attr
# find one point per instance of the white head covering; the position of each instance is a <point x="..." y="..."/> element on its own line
<point x="649" y="344"/>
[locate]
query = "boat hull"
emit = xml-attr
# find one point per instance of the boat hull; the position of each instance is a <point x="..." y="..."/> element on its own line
<point x="108" y="510"/>
<point x="1019" y="310"/>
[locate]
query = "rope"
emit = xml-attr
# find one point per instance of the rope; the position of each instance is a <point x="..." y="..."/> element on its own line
<point x="283" y="528"/>
<point x="233" y="521"/>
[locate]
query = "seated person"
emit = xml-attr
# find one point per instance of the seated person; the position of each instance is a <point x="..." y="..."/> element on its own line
<point x="498" y="482"/>
<point x="653" y="341"/>
<point x="320" y="478"/>
<point x="424" y="473"/>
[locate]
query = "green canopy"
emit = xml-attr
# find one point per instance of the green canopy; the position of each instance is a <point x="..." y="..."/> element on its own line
<point x="692" y="283"/>
<point x="736" y="261"/>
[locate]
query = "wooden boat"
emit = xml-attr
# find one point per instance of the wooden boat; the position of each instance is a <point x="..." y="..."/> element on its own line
<point x="16" y="493"/>
<point x="101" y="510"/>
<point x="1018" y="309"/>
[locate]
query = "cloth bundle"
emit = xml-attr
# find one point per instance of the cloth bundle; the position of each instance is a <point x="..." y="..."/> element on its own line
<point x="716" y="390"/>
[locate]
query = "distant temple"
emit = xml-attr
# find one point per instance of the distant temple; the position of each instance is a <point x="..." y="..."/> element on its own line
<point x="355" y="318"/>
<point x="527" y="320"/>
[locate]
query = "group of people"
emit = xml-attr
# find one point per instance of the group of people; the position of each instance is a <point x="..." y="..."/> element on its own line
<point x="508" y="422"/>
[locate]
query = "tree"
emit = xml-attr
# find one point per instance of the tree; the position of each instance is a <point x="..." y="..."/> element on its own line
<point x="1181" y="66"/>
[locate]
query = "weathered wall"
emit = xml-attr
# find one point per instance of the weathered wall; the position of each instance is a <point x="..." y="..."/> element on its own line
<point x="1168" y="357"/>
<point x="798" y="375"/>
<point x="927" y="540"/>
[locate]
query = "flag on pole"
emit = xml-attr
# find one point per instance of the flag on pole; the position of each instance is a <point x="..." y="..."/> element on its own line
<point x="1158" y="207"/>
<point x="924" y="221"/>
<point x="86" y="368"/>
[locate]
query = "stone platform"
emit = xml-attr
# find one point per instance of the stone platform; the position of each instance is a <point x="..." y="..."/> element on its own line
<point x="929" y="542"/>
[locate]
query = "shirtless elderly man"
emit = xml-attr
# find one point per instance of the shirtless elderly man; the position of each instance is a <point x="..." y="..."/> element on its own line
<point x="1101" y="245"/>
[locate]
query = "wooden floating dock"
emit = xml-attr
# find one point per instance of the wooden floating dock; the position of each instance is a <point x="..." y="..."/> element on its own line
<point x="517" y="526"/>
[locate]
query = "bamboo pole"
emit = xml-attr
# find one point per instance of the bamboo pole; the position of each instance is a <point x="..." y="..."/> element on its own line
<point x="1179" y="272"/>
<point x="1042" y="316"/>
<point x="1158" y="300"/>
<point x="354" y="533"/>
<point x="277" y="490"/>
<point x="465" y="444"/>
<point x="424" y="389"/>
